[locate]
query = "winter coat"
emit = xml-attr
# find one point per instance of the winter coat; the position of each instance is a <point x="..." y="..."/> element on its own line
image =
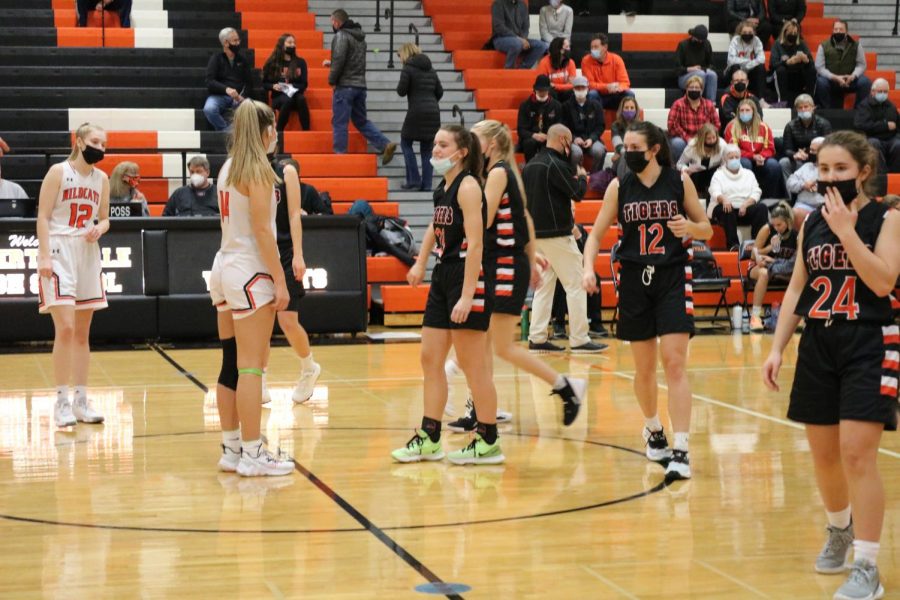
<point x="422" y="87"/>
<point x="584" y="121"/>
<point x="872" y="118"/>
<point x="348" y="57"/>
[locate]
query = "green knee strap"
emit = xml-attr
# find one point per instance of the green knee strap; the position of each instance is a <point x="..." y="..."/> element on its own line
<point x="257" y="372"/>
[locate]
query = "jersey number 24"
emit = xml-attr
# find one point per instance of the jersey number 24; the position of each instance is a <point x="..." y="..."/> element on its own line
<point x="845" y="302"/>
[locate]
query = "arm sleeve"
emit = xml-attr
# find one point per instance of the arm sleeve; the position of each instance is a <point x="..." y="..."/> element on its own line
<point x="777" y="59"/>
<point x="338" y="59"/>
<point x="866" y="122"/>
<point x="543" y="26"/>
<point x="624" y="81"/>
<point x="267" y="81"/>
<point x="768" y="150"/>
<point x="403" y="84"/>
<point x="733" y="58"/>
<point x="563" y="180"/>
<point x="212" y="72"/>
<point x="673" y="124"/>
<point x="860" y="61"/>
<point x="759" y="55"/>
<point x="301" y="81"/>
<point x="820" y="63"/>
<point x="617" y="140"/>
<point x="788" y="138"/>
<point x="523" y="124"/>
<point x="438" y="87"/>
<point x="169" y="210"/>
<point x="796" y="180"/>
<point x="599" y="125"/>
<point x="680" y="60"/>
<point x="714" y="116"/>
<point x="567" y="26"/>
<point x="715" y="187"/>
<point x="756" y="193"/>
<point x="499" y="27"/>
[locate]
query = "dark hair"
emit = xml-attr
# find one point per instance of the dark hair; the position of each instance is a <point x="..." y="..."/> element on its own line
<point x="844" y="22"/>
<point x="473" y="161"/>
<point x="747" y="75"/>
<point x="637" y="112"/>
<point x="654" y="136"/>
<point x="275" y="63"/>
<point x="341" y="15"/>
<point x="602" y="37"/>
<point x="860" y="150"/>
<point x="555" y="51"/>
<point x="290" y="161"/>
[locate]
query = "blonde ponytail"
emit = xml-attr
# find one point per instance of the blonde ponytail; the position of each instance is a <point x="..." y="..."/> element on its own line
<point x="500" y="134"/>
<point x="82" y="133"/>
<point x="249" y="163"/>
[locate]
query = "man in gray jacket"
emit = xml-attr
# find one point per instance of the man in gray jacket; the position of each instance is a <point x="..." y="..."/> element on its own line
<point x="509" y="34"/>
<point x="348" y="78"/>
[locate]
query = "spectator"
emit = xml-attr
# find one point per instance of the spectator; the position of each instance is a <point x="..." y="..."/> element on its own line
<point x="841" y="67"/>
<point x="746" y="52"/>
<point x="785" y="11"/>
<point x="734" y="198"/>
<point x="348" y="77"/>
<point x="123" y="185"/>
<point x="584" y="117"/>
<point x="695" y="58"/>
<point x="757" y="145"/>
<point x="421" y="85"/>
<point x="509" y="34"/>
<point x="688" y="114"/>
<point x="536" y="115"/>
<point x="749" y="11"/>
<point x="10" y="190"/>
<point x="804" y="183"/>
<point x="555" y="21"/>
<point x="123" y="7"/>
<point x="229" y="79"/>
<point x="774" y="254"/>
<point x="286" y="76"/>
<point x="606" y="73"/>
<point x="311" y="202"/>
<point x="792" y="64"/>
<point x="877" y="118"/>
<point x="799" y="134"/>
<point x="628" y="112"/>
<point x="560" y="68"/>
<point x="551" y="184"/>
<point x="197" y="199"/>
<point x="702" y="156"/>
<point x="736" y="92"/>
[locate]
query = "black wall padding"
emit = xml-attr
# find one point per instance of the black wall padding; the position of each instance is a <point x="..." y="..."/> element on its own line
<point x="156" y="263"/>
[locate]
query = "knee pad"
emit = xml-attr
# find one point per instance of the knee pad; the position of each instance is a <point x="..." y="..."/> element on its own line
<point x="228" y="375"/>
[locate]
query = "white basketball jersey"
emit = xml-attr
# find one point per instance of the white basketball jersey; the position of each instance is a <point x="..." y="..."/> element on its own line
<point x="78" y="201"/>
<point x="234" y="210"/>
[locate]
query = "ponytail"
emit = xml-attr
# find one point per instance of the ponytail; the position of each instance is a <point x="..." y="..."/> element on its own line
<point x="784" y="211"/>
<point x="655" y="137"/>
<point x="472" y="162"/>
<point x="500" y="134"/>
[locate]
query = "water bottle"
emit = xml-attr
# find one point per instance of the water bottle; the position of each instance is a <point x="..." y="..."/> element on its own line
<point x="736" y="316"/>
<point x="745" y="322"/>
<point x="776" y="244"/>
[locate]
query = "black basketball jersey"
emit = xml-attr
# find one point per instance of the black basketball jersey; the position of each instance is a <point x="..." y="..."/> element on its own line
<point x="508" y="234"/>
<point x="282" y="218"/>
<point x="834" y="290"/>
<point x="449" y="230"/>
<point x="643" y="214"/>
<point x="785" y="247"/>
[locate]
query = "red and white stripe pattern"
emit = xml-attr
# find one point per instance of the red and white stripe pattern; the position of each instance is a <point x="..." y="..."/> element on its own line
<point x="688" y="290"/>
<point x="890" y="367"/>
<point x="464" y="248"/>
<point x="506" y="235"/>
<point x="478" y="300"/>
<point x="506" y="274"/>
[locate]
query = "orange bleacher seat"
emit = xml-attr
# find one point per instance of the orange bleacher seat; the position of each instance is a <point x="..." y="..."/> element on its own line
<point x="319" y="142"/>
<point x="478" y="59"/>
<point x="312" y="56"/>
<point x="156" y="210"/>
<point x="337" y="165"/>
<point x="508" y="116"/>
<point x="651" y="42"/>
<point x="150" y="165"/>
<point x="609" y="238"/>
<point x="586" y="211"/>
<point x="455" y="7"/>
<point x="68" y="17"/>
<point x="602" y="267"/>
<point x="387" y="209"/>
<point x="93" y="37"/>
<point x="465" y="40"/>
<point x="717" y="241"/>
<point x="293" y="21"/>
<point x="263" y="40"/>
<point x="815" y="9"/>
<point x="817" y="25"/>
<point x="352" y="188"/>
<point x="514" y="81"/>
<point x="448" y="23"/>
<point x="155" y="190"/>
<point x="381" y="269"/>
<point x="282" y="7"/>
<point x="728" y="263"/>
<point x="501" y="99"/>
<point x="893" y="183"/>
<point x="404" y="298"/>
<point x="128" y="139"/>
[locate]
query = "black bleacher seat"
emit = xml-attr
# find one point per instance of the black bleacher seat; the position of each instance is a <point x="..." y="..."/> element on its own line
<point x="110" y="57"/>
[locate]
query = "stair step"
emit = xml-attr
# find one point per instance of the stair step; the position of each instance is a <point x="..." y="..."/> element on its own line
<point x="401" y="22"/>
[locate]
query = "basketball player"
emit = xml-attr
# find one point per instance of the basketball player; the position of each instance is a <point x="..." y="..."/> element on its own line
<point x="73" y="212"/>
<point x="845" y="383"/>
<point x="247" y="286"/>
<point x="774" y="254"/>
<point x="458" y="311"/>
<point x="657" y="210"/>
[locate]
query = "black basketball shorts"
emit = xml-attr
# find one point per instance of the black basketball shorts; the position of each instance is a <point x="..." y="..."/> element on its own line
<point x="295" y="288"/>
<point x="654" y="301"/>
<point x="512" y="277"/>
<point x="446" y="289"/>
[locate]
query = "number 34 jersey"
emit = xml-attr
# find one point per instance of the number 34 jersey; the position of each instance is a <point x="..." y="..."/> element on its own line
<point x="77" y="203"/>
<point x="643" y="215"/>
<point x="834" y="290"/>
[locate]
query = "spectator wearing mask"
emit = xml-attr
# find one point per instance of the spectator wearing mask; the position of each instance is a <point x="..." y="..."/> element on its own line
<point x="285" y="75"/>
<point x="792" y="64"/>
<point x="421" y="85"/>
<point x="702" y="156"/>
<point x="560" y="68"/>
<point x="749" y="11"/>
<point x="804" y="184"/>
<point x="123" y="7"/>
<point x="509" y="34"/>
<point x="695" y="58"/>
<point x="785" y="11"/>
<point x="877" y="119"/>
<point x="688" y="114"/>
<point x="737" y="92"/>
<point x="734" y="196"/>
<point x="606" y="73"/>
<point x="123" y="185"/>
<point x="746" y="52"/>
<point x="799" y="134"/>
<point x="536" y="115"/>
<point x="229" y="79"/>
<point x="555" y="21"/>
<point x="757" y="145"/>
<point x="347" y="75"/>
<point x="10" y="190"/>
<point x="629" y="112"/>
<point x="584" y="117"/>
<point x="841" y="67"/>
<point x="198" y="198"/>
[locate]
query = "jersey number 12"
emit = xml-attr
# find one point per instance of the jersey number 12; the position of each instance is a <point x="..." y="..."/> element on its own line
<point x="655" y="230"/>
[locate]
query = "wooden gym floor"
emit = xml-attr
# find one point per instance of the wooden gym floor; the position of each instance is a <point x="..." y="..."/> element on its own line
<point x="135" y="507"/>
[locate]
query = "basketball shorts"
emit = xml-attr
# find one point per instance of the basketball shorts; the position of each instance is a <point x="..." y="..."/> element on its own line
<point x="239" y="283"/>
<point x="295" y="288"/>
<point x="846" y="371"/>
<point x="446" y="289"/>
<point x="654" y="301"/>
<point x="512" y="278"/>
<point x="77" y="279"/>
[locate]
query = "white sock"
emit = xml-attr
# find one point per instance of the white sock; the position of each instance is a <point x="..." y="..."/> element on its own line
<point x="653" y="423"/>
<point x="307" y="362"/>
<point x="839" y="519"/>
<point x="560" y="382"/>
<point x="62" y="393"/>
<point x="755" y="311"/>
<point x="80" y="393"/>
<point x="251" y="447"/>
<point x="232" y="439"/>
<point x="866" y="551"/>
<point x="681" y="440"/>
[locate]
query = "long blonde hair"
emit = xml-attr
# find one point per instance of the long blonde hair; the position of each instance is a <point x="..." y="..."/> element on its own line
<point x="249" y="163"/>
<point x="751" y="128"/>
<point x="83" y="131"/>
<point x="700" y="144"/>
<point x="500" y="134"/>
<point x="407" y="51"/>
<point x="117" y="186"/>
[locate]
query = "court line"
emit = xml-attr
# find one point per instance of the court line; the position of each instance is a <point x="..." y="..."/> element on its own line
<point x="730" y="578"/>
<point x="610" y="583"/>
<point x="180" y="369"/>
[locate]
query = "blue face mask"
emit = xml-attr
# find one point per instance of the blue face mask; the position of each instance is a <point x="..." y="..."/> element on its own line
<point x="881" y="97"/>
<point x="805" y="115"/>
<point x="745" y="117"/>
<point x="733" y="165"/>
<point x="442" y="165"/>
<point x="596" y="54"/>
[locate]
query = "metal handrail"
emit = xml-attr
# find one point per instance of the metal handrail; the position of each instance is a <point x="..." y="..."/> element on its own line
<point x="896" y="17"/>
<point x="389" y="14"/>
<point x="414" y="29"/>
<point x="377" y="15"/>
<point x="457" y="111"/>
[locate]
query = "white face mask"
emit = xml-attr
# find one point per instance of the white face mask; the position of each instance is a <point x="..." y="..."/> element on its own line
<point x="274" y="143"/>
<point x="198" y="180"/>
<point x="442" y="165"/>
<point x="581" y="95"/>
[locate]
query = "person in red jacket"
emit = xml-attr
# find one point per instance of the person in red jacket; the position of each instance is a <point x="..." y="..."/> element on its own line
<point x="757" y="144"/>
<point x="688" y="114"/>
<point x="606" y="73"/>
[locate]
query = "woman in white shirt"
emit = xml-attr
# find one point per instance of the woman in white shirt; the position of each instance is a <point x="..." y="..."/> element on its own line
<point x="804" y="182"/>
<point x="734" y="197"/>
<point x="746" y="52"/>
<point x="702" y="157"/>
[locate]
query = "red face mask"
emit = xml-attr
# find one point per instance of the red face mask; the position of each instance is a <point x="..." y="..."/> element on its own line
<point x="133" y="180"/>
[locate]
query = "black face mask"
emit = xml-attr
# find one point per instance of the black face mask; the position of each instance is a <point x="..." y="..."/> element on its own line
<point x="712" y="146"/>
<point x="747" y="37"/>
<point x="92" y="155"/>
<point x="839" y="37"/>
<point x="791" y="39"/>
<point x="694" y="94"/>
<point x="814" y="158"/>
<point x="235" y="47"/>
<point x="290" y="51"/>
<point x="636" y="161"/>
<point x="740" y="87"/>
<point x="846" y="188"/>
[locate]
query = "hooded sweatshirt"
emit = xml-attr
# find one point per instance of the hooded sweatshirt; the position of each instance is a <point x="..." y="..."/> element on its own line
<point x="348" y="57"/>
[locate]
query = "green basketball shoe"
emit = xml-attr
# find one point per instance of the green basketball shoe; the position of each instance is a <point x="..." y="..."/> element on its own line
<point x="418" y="448"/>
<point x="478" y="452"/>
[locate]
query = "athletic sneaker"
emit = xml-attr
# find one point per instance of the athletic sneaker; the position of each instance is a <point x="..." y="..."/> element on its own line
<point x="588" y="348"/>
<point x="418" y="448"/>
<point x="679" y="467"/>
<point x="835" y="554"/>
<point x="479" y="452"/>
<point x="598" y="331"/>
<point x="756" y="323"/>
<point x="84" y="412"/>
<point x="572" y="395"/>
<point x="467" y="422"/>
<point x="544" y="348"/>
<point x="266" y="396"/>
<point x="559" y="331"/>
<point x="657" y="445"/>
<point x="263" y="463"/>
<point x="230" y="459"/>
<point x="863" y="583"/>
<point x="62" y="414"/>
<point x="306" y="384"/>
<point x="504" y="416"/>
<point x="387" y="155"/>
